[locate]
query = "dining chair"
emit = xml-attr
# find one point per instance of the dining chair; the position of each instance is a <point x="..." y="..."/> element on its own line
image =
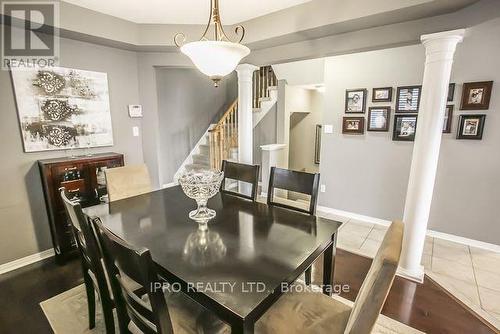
<point x="241" y="172"/>
<point x="94" y="275"/>
<point x="299" y="182"/>
<point x="127" y="181"/>
<point x="314" y="312"/>
<point x="153" y="312"/>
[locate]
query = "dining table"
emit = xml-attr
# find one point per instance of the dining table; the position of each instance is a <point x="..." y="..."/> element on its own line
<point x="239" y="267"/>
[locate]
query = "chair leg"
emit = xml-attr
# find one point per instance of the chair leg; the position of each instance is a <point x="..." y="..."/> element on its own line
<point x="107" y="310"/>
<point x="89" y="286"/>
<point x="308" y="275"/>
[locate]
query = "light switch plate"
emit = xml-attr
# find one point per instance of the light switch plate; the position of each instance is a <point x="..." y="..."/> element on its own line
<point x="328" y="128"/>
<point x="135" y="131"/>
<point x="322" y="188"/>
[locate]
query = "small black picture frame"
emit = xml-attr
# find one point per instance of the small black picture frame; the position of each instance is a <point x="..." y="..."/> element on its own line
<point x="476" y="95"/>
<point x="382" y="94"/>
<point x="378" y="119"/>
<point x="355" y="101"/>
<point x="471" y="127"/>
<point x="451" y="92"/>
<point x="317" y="144"/>
<point x="353" y="125"/>
<point x="408" y="99"/>
<point x="448" y="118"/>
<point x="405" y="127"/>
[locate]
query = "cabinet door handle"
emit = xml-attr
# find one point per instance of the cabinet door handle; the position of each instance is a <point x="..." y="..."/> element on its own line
<point x="74" y="190"/>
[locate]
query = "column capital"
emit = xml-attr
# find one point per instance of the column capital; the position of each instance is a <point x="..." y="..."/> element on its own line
<point x="246" y="70"/>
<point x="455" y="36"/>
<point x="441" y="46"/>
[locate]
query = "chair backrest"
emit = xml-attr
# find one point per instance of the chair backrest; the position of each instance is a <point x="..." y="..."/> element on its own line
<point x="300" y="182"/>
<point x="127" y="181"/>
<point x="241" y="172"/>
<point x="90" y="252"/>
<point x="378" y="282"/>
<point x="124" y="263"/>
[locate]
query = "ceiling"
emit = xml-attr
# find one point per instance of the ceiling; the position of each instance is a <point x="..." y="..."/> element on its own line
<point x="185" y="11"/>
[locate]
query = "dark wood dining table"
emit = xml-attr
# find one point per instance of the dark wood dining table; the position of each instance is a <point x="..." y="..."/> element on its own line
<point x="237" y="268"/>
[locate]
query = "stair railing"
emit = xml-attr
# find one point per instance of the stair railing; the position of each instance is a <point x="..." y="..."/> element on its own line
<point x="262" y="80"/>
<point x="224" y="136"/>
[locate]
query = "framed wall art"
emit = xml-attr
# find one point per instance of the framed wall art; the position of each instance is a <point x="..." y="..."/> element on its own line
<point x="355" y="100"/>
<point x="405" y="127"/>
<point x="378" y="119"/>
<point x="353" y="125"/>
<point x="382" y="94"/>
<point x="448" y="118"/>
<point x="471" y="127"/>
<point x="476" y="95"/>
<point x="408" y="99"/>
<point x="317" y="144"/>
<point x="451" y="92"/>
<point x="62" y="108"/>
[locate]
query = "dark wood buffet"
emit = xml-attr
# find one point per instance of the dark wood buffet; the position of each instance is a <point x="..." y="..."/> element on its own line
<point x="83" y="178"/>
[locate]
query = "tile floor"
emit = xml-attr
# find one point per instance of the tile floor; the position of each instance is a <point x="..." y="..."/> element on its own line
<point x="470" y="274"/>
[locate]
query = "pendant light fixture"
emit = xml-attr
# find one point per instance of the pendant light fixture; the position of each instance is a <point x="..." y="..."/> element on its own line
<point x="214" y="58"/>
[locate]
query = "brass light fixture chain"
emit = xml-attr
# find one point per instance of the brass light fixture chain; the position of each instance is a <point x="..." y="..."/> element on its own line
<point x="219" y="33"/>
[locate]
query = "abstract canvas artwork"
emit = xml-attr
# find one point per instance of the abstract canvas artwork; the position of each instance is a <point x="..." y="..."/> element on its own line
<point x="62" y="108"/>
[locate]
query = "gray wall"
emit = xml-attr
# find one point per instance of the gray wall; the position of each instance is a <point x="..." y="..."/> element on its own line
<point x="303" y="134"/>
<point x="369" y="174"/>
<point x="23" y="220"/>
<point x="187" y="104"/>
<point x="264" y="133"/>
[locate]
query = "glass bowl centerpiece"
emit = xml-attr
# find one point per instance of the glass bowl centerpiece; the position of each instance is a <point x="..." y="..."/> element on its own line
<point x="201" y="185"/>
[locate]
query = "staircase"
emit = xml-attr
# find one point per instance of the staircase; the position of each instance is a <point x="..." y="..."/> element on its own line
<point x="220" y="141"/>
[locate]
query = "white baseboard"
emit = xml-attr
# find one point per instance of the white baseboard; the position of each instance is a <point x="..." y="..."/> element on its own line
<point x="356" y="216"/>
<point x="168" y="185"/>
<point x="464" y="241"/>
<point x="16" y="264"/>
<point x="440" y="235"/>
<point x="415" y="276"/>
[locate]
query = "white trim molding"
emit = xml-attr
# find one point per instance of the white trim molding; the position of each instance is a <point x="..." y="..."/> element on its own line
<point x="431" y="233"/>
<point x="24" y="261"/>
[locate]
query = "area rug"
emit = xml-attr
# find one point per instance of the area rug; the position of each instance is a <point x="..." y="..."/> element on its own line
<point x="67" y="314"/>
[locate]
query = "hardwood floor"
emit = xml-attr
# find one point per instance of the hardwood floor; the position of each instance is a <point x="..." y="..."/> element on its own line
<point x="22" y="290"/>
<point x="426" y="307"/>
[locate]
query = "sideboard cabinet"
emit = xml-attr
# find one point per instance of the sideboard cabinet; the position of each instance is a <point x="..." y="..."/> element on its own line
<point x="83" y="178"/>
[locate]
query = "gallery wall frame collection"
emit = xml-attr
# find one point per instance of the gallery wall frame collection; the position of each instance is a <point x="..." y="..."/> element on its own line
<point x="475" y="96"/>
<point x="353" y="125"/>
<point x="471" y="127"/>
<point x="408" y="99"/>
<point x="378" y="119"/>
<point x="355" y="101"/>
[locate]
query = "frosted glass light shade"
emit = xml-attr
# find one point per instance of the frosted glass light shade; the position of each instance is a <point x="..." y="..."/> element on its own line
<point x="215" y="59"/>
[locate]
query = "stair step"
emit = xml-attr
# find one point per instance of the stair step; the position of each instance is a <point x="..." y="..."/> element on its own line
<point x="262" y="99"/>
<point x="204" y="149"/>
<point x="194" y="167"/>
<point x="201" y="159"/>
<point x="272" y="88"/>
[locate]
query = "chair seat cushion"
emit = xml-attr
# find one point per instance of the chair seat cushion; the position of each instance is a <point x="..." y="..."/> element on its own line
<point x="188" y="317"/>
<point x="304" y="312"/>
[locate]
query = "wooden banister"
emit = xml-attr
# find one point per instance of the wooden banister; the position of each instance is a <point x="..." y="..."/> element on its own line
<point x="224" y="135"/>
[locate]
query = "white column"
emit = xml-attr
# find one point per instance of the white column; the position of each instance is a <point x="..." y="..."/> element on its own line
<point x="245" y="112"/>
<point x="273" y="155"/>
<point x="439" y="49"/>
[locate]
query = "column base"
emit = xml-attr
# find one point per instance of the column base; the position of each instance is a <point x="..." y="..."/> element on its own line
<point x="412" y="275"/>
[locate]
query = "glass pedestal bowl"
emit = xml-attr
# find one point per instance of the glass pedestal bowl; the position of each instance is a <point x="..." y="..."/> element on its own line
<point x="201" y="185"/>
